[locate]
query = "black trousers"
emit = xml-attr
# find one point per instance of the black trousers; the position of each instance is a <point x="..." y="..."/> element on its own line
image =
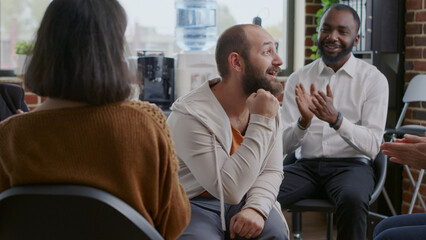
<point x="348" y="183"/>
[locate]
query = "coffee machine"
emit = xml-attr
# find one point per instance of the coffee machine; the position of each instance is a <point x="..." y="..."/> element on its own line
<point x="157" y="75"/>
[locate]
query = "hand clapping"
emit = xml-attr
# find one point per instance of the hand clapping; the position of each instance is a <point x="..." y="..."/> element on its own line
<point x="318" y="103"/>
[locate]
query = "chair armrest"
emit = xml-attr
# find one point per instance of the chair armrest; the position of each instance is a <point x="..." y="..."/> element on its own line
<point x="418" y="130"/>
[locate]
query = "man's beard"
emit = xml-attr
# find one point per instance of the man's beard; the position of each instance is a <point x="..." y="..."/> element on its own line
<point x="334" y="59"/>
<point x="254" y="79"/>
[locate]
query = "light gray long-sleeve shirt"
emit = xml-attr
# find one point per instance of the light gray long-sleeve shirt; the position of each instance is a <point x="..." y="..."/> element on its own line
<point x="202" y="134"/>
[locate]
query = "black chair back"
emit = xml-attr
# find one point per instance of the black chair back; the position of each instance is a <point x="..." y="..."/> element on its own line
<point x="69" y="212"/>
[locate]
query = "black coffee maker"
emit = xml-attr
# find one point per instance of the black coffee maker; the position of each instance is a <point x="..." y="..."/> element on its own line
<point x="157" y="75"/>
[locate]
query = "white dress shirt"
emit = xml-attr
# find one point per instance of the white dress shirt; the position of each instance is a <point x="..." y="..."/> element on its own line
<point x="360" y="93"/>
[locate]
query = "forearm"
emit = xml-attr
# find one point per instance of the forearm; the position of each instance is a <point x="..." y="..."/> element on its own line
<point x="364" y="139"/>
<point x="293" y="134"/>
<point x="262" y="195"/>
<point x="200" y="150"/>
<point x="240" y="172"/>
<point x="293" y="138"/>
<point x="366" y="133"/>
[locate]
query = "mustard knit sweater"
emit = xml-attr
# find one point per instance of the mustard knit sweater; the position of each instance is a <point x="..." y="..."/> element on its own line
<point x="123" y="148"/>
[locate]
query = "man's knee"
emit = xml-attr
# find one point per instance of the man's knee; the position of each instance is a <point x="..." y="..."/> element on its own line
<point x="274" y="233"/>
<point x="395" y="233"/>
<point x="275" y="227"/>
<point x="204" y="224"/>
<point x="356" y="200"/>
<point x="352" y="204"/>
<point x="201" y="230"/>
<point x="283" y="197"/>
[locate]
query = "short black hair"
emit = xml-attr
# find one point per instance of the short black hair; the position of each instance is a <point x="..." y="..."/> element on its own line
<point x="340" y="7"/>
<point x="79" y="53"/>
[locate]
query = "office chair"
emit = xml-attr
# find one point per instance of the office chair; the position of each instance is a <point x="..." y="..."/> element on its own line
<point x="69" y="212"/>
<point x="415" y="92"/>
<point x="325" y="205"/>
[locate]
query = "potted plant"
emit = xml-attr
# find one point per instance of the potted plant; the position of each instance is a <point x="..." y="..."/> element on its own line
<point x="23" y="48"/>
<point x="325" y="4"/>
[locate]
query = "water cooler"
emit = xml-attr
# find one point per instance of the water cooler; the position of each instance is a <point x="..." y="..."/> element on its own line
<point x="196" y="35"/>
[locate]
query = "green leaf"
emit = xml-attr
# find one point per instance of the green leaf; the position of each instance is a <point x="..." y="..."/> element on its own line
<point x="23" y="47"/>
<point x="318" y="24"/>
<point x="319" y="13"/>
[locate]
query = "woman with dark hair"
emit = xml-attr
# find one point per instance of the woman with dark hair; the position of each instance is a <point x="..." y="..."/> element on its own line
<point x="87" y="131"/>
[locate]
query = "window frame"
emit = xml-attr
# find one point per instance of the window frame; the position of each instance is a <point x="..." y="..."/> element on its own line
<point x="290" y="40"/>
<point x="6" y="72"/>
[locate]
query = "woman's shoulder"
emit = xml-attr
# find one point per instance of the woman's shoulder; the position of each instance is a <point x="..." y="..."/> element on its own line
<point x="149" y="109"/>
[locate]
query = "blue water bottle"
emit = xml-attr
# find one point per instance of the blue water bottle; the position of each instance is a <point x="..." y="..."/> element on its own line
<point x="195" y="24"/>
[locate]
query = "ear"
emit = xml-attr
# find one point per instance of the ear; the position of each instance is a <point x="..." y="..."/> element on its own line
<point x="356" y="40"/>
<point x="236" y="62"/>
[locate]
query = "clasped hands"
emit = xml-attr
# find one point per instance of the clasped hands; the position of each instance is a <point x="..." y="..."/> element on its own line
<point x="317" y="103"/>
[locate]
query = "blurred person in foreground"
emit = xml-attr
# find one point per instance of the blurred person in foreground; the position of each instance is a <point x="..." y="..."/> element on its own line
<point x="410" y="150"/>
<point x="87" y="131"/>
<point x="228" y="140"/>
